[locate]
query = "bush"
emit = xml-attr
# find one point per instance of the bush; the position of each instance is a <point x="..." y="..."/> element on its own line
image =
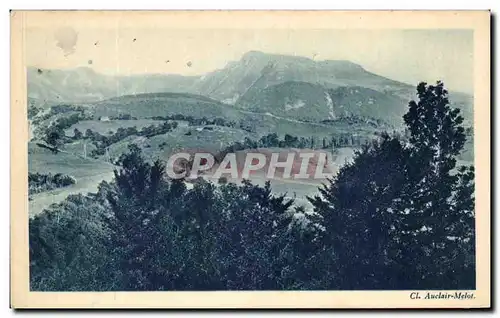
<point x="38" y="182"/>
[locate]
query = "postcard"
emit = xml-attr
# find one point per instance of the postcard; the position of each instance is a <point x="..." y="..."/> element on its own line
<point x="250" y="159"/>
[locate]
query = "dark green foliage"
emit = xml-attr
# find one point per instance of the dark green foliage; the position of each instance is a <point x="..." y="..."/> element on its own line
<point x="54" y="134"/>
<point x="434" y="126"/>
<point x="289" y="141"/>
<point x="77" y="135"/>
<point x="66" y="108"/>
<point x="33" y="111"/>
<point x="38" y="182"/>
<point x="193" y="121"/>
<point x="358" y="230"/>
<point x="68" y="247"/>
<point x="252" y="231"/>
<point x="122" y="117"/>
<point x="161" y="236"/>
<point x="66" y="122"/>
<point x="353" y="119"/>
<point x="399" y="216"/>
<point x="102" y="141"/>
<point x="54" y="137"/>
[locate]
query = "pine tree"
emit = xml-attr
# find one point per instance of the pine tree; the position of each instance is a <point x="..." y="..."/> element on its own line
<point x="437" y="199"/>
<point x="252" y="235"/>
<point x="401" y="216"/>
<point x="135" y="203"/>
<point x="353" y="206"/>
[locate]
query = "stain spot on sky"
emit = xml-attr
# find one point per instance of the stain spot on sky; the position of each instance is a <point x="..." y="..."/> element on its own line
<point x="90" y="62"/>
<point x="134" y="40"/>
<point x="167" y="61"/>
<point x="66" y="39"/>
<point x="95" y="44"/>
<point x="189" y="64"/>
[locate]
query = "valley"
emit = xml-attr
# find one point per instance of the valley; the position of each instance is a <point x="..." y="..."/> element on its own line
<point x="92" y="119"/>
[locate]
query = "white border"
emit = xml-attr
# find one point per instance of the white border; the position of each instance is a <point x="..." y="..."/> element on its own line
<point x="191" y="4"/>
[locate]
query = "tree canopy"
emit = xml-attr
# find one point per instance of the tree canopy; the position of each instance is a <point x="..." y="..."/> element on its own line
<point x="399" y="216"/>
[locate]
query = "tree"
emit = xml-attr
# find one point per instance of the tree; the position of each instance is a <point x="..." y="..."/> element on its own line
<point x="89" y="133"/>
<point x="77" y="134"/>
<point x="400" y="216"/>
<point x="33" y="111"/>
<point x="54" y="136"/>
<point x="68" y="247"/>
<point x="270" y="140"/>
<point x="436" y="131"/>
<point x="165" y="237"/>
<point x="253" y="232"/>
<point x="290" y="141"/>
<point x="352" y="207"/>
<point x="135" y="201"/>
<point x="440" y="209"/>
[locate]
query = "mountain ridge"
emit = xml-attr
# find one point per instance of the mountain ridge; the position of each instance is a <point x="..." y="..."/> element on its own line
<point x="257" y="78"/>
<point x="98" y="86"/>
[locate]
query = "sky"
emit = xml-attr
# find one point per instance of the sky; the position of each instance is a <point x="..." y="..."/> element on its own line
<point x="409" y="55"/>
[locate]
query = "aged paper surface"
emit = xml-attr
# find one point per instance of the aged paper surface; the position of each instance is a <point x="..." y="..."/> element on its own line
<point x="112" y="70"/>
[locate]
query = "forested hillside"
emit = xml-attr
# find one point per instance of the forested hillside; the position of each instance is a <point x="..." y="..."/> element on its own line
<point x="400" y="215"/>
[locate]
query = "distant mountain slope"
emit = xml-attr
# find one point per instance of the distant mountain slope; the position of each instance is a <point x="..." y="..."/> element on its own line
<point x="80" y="84"/>
<point x="293" y="86"/>
<point x="260" y="123"/>
<point x="367" y="103"/>
<point x="155" y="83"/>
<point x="165" y="104"/>
<point x="85" y="85"/>
<point x="253" y="70"/>
<point x="312" y="102"/>
<point x="294" y="99"/>
<point x="257" y="70"/>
